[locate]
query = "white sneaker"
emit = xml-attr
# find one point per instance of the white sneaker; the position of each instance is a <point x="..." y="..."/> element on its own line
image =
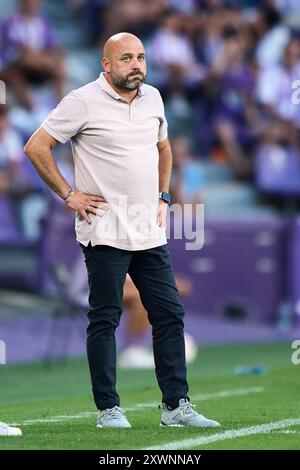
<point x="6" y="430"/>
<point x="186" y="416"/>
<point x="112" y="418"/>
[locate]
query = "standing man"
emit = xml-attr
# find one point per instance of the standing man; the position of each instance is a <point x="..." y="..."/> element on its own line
<point x="123" y="166"/>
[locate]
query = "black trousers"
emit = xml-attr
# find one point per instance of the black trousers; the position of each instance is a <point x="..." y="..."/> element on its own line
<point x="153" y="276"/>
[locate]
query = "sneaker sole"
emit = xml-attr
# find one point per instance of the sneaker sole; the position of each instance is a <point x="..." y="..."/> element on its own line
<point x="99" y="426"/>
<point x="189" y="426"/>
<point x="172" y="425"/>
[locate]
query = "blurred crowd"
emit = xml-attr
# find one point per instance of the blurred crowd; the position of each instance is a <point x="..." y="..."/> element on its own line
<point x="227" y="71"/>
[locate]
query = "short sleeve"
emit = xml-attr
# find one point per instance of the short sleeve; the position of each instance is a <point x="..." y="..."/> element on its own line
<point x="163" y="126"/>
<point x="67" y="119"/>
<point x="163" y="130"/>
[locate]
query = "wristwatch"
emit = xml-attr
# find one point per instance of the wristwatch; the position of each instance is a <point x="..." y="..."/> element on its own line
<point x="70" y="193"/>
<point x="165" y="197"/>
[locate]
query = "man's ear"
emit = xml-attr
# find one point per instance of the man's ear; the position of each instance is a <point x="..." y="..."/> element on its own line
<point x="105" y="64"/>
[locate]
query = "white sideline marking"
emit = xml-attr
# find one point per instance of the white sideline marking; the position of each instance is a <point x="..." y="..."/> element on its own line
<point x="140" y="406"/>
<point x="288" y="431"/>
<point x="228" y="393"/>
<point x="206" y="396"/>
<point x="56" y="419"/>
<point x="222" y="436"/>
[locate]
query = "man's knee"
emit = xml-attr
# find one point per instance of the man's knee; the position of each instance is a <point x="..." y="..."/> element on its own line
<point x="166" y="316"/>
<point x="102" y="320"/>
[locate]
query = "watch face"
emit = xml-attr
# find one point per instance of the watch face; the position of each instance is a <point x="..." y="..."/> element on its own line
<point x="165" y="197"/>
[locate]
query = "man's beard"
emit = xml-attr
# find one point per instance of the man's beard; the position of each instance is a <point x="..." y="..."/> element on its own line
<point x="125" y="83"/>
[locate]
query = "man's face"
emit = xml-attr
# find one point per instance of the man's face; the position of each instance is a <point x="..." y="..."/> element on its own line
<point x="127" y="65"/>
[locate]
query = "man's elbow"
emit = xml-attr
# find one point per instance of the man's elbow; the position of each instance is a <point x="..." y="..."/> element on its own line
<point x="163" y="145"/>
<point x="27" y="149"/>
<point x="30" y="148"/>
<point x="39" y="144"/>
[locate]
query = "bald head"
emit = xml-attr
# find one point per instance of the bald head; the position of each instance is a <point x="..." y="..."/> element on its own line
<point x="119" y="42"/>
<point x="124" y="61"/>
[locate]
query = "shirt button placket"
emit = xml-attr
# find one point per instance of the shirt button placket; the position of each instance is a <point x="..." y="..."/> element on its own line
<point x="132" y="112"/>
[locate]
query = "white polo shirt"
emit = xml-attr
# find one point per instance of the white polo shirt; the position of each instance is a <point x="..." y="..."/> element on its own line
<point x="114" y="146"/>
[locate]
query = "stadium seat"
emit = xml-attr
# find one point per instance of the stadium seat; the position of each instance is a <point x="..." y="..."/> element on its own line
<point x="278" y="171"/>
<point x="237" y="275"/>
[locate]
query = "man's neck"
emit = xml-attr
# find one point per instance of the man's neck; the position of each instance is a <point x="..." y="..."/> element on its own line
<point x="129" y="95"/>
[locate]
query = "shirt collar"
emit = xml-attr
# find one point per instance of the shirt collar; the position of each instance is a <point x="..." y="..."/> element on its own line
<point x="110" y="91"/>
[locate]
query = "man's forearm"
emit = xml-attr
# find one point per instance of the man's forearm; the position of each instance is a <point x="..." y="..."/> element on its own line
<point x="44" y="162"/>
<point x="165" y="166"/>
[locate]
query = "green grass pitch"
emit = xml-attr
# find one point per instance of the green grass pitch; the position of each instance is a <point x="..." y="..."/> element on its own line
<point x="55" y="410"/>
